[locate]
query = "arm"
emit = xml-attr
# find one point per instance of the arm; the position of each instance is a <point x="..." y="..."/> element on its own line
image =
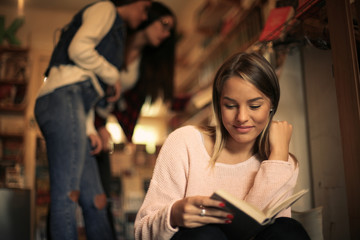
<point x="166" y="206"/>
<point x="105" y="136"/>
<point x="97" y="21"/>
<point x="275" y="181"/>
<point x="95" y="140"/>
<point x="99" y="121"/>
<point x="167" y="185"/>
<point x="277" y="176"/>
<point x="106" y="139"/>
<point x="96" y="144"/>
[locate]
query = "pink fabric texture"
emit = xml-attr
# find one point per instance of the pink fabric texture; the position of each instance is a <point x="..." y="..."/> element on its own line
<point x="182" y="170"/>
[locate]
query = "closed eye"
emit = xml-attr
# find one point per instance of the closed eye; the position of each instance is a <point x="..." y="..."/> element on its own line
<point x="230" y="106"/>
<point x="255" y="106"/>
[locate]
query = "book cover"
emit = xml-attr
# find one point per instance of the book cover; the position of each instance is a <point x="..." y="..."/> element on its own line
<point x="248" y="219"/>
<point x="275" y="23"/>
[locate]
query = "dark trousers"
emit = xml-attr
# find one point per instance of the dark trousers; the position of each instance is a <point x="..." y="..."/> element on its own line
<point x="282" y="229"/>
<point x="103" y="162"/>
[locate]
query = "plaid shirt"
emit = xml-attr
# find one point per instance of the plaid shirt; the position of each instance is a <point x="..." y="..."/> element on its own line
<point x="128" y="111"/>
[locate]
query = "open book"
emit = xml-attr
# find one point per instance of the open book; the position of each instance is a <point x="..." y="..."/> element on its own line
<point x="248" y="220"/>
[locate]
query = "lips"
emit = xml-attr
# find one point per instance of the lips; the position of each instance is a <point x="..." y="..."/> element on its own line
<point x="243" y="129"/>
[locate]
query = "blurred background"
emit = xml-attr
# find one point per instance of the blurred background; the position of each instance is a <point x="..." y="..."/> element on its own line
<point x="315" y="58"/>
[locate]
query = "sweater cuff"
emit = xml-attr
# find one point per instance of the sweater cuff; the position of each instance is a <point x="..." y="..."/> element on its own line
<point x="171" y="228"/>
<point x="291" y="162"/>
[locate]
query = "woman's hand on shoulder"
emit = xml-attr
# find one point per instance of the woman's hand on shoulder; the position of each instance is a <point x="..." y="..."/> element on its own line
<point x="197" y="211"/>
<point x="279" y="138"/>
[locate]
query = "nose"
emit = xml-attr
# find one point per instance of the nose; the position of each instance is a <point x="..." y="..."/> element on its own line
<point x="242" y="115"/>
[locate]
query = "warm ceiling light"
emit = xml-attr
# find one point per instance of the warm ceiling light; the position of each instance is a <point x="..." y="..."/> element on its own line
<point x="21" y="7"/>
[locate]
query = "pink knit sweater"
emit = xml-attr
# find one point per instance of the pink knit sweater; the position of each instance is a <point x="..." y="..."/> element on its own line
<point x="182" y="170"/>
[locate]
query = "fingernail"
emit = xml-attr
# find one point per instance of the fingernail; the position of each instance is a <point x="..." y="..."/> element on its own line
<point x="228" y="221"/>
<point x="222" y="204"/>
<point x="230" y="216"/>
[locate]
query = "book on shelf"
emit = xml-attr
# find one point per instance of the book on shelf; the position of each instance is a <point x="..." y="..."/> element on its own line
<point x="276" y="22"/>
<point x="249" y="220"/>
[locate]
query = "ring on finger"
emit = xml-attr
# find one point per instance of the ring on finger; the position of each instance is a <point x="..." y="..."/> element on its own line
<point x="203" y="211"/>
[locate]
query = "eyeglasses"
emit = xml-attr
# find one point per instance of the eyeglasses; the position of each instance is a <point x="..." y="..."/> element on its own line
<point x="166" y="24"/>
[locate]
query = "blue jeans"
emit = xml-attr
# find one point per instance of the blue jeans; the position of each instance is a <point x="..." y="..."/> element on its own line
<point x="74" y="177"/>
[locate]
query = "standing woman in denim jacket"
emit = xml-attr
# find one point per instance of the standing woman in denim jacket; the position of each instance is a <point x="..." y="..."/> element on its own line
<point x="84" y="64"/>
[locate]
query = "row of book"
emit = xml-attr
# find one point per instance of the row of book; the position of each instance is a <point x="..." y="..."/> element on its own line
<point x="13" y="65"/>
<point x="13" y="77"/>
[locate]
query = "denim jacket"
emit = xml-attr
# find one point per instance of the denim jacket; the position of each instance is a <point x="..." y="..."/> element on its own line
<point x="111" y="47"/>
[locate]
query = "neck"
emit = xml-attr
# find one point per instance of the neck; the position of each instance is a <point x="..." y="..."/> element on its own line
<point x="238" y="152"/>
<point x="136" y="45"/>
<point x="139" y="40"/>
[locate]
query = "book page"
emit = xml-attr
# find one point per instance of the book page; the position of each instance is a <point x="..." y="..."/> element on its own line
<point x="272" y="212"/>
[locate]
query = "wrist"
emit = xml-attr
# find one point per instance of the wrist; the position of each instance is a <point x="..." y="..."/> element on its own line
<point x="173" y="221"/>
<point x="282" y="154"/>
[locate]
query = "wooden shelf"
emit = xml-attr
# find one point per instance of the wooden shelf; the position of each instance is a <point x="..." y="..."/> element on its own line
<point x="13" y="49"/>
<point x="12" y="108"/>
<point x="13" y="81"/>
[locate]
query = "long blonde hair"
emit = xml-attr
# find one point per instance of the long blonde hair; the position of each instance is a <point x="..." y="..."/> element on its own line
<point x="257" y="70"/>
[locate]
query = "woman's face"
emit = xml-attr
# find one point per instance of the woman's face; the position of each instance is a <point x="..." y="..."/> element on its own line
<point x="159" y="30"/>
<point x="245" y="110"/>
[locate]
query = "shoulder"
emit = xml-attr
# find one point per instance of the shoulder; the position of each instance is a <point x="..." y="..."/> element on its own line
<point x="99" y="17"/>
<point x="184" y="136"/>
<point x="185" y="131"/>
<point x="100" y="8"/>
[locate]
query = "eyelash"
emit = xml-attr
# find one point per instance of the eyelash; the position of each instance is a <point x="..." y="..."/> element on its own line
<point x="230" y="106"/>
<point x="254" y="107"/>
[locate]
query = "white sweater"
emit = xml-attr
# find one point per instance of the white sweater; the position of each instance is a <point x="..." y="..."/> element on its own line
<point x="182" y="170"/>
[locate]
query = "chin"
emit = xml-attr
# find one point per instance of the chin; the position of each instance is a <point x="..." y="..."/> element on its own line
<point x="243" y="138"/>
<point x="156" y="44"/>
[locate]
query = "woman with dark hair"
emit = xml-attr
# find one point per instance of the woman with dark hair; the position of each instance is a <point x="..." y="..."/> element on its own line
<point x="245" y="153"/>
<point x="148" y="72"/>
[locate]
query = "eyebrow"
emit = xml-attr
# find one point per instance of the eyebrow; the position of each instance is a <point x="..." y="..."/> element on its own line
<point x="250" y="100"/>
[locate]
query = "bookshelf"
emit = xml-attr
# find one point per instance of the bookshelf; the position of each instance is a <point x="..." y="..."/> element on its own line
<point x="13" y="88"/>
<point x="238" y="28"/>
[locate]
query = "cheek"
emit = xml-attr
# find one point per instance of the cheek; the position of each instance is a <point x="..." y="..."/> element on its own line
<point x="262" y="119"/>
<point x="226" y="116"/>
<point x="151" y="35"/>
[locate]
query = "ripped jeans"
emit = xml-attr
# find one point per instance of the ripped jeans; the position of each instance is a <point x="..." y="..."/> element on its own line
<point x="74" y="178"/>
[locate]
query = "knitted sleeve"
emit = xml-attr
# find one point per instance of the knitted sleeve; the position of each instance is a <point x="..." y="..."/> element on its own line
<point x="275" y="181"/>
<point x="167" y="186"/>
